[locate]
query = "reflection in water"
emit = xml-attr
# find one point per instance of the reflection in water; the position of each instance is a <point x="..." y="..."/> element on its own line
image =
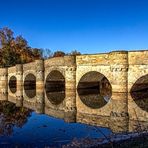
<point x="55" y="97"/>
<point x="137" y="126"/>
<point x="141" y="99"/>
<point x="139" y="92"/>
<point x="55" y="87"/>
<point x="94" y="90"/>
<point x="12" y="84"/>
<point x="30" y="85"/>
<point x="39" y="130"/>
<point x="44" y="130"/>
<point x="92" y="98"/>
<point x="11" y="117"/>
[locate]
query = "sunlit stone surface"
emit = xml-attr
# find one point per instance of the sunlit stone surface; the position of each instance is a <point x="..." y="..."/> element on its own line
<point x="108" y="90"/>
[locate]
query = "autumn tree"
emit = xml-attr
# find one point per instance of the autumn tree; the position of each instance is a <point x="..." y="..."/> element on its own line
<point x="74" y="53"/>
<point x="15" y="50"/>
<point x="59" y="54"/>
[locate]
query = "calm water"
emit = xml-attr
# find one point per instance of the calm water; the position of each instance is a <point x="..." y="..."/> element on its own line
<point x="23" y="127"/>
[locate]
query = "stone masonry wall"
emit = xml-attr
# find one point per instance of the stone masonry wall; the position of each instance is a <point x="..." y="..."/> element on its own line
<point x="67" y="67"/>
<point x="121" y="68"/>
<point x="114" y="67"/>
<point x="138" y="67"/>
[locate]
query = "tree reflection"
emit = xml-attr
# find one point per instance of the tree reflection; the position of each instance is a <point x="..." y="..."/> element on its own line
<point x="12" y="116"/>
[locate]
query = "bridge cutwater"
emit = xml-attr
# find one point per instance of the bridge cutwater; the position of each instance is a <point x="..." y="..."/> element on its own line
<point x="118" y="72"/>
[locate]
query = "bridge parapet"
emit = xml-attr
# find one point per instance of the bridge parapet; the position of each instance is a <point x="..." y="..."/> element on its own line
<point x="96" y="59"/>
<point x="118" y="70"/>
<point x="138" y="57"/>
<point x="60" y="61"/>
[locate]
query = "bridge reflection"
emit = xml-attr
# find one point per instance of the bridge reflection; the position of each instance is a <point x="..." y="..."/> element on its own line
<point x="120" y="118"/>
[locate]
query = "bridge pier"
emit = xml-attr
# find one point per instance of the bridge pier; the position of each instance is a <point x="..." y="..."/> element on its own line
<point x="19" y="85"/>
<point x="70" y="90"/>
<point x="40" y="86"/>
<point x="119" y="80"/>
<point x="4" y="84"/>
<point x="119" y="71"/>
<point x="70" y="102"/>
<point x="119" y="99"/>
<point x="119" y="117"/>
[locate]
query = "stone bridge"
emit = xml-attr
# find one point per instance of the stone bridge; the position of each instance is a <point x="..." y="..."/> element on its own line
<point x="124" y="71"/>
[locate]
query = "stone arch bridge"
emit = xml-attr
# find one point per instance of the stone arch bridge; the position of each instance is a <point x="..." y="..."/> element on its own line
<point x="121" y="68"/>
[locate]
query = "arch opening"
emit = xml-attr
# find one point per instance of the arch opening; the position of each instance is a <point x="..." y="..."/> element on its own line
<point x="30" y="85"/>
<point x="139" y="92"/>
<point x="94" y="89"/>
<point x="55" y="87"/>
<point x="12" y="84"/>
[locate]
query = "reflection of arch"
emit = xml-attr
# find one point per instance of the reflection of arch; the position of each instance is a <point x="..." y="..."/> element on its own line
<point x="12" y="84"/>
<point x="30" y="85"/>
<point x="55" y="87"/>
<point x="139" y="92"/>
<point x="94" y="89"/>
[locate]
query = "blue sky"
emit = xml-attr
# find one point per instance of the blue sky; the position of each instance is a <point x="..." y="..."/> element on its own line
<point x="90" y="26"/>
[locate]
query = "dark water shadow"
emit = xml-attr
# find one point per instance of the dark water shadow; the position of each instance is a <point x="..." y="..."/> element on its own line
<point x="94" y="90"/>
<point x="55" y="87"/>
<point x="139" y="92"/>
<point x="12" y="84"/>
<point x="92" y="98"/>
<point x="30" y="86"/>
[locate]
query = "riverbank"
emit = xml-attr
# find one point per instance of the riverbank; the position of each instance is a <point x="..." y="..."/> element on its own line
<point x="134" y="140"/>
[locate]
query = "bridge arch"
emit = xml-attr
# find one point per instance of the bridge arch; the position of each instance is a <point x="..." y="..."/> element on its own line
<point x="55" y="87"/>
<point x="94" y="89"/>
<point x="30" y="85"/>
<point x="12" y="84"/>
<point x="139" y="92"/>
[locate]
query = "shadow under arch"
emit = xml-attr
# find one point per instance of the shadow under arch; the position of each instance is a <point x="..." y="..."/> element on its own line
<point x="94" y="89"/>
<point x="55" y="87"/>
<point x="139" y="92"/>
<point x="30" y="85"/>
<point x="12" y="84"/>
